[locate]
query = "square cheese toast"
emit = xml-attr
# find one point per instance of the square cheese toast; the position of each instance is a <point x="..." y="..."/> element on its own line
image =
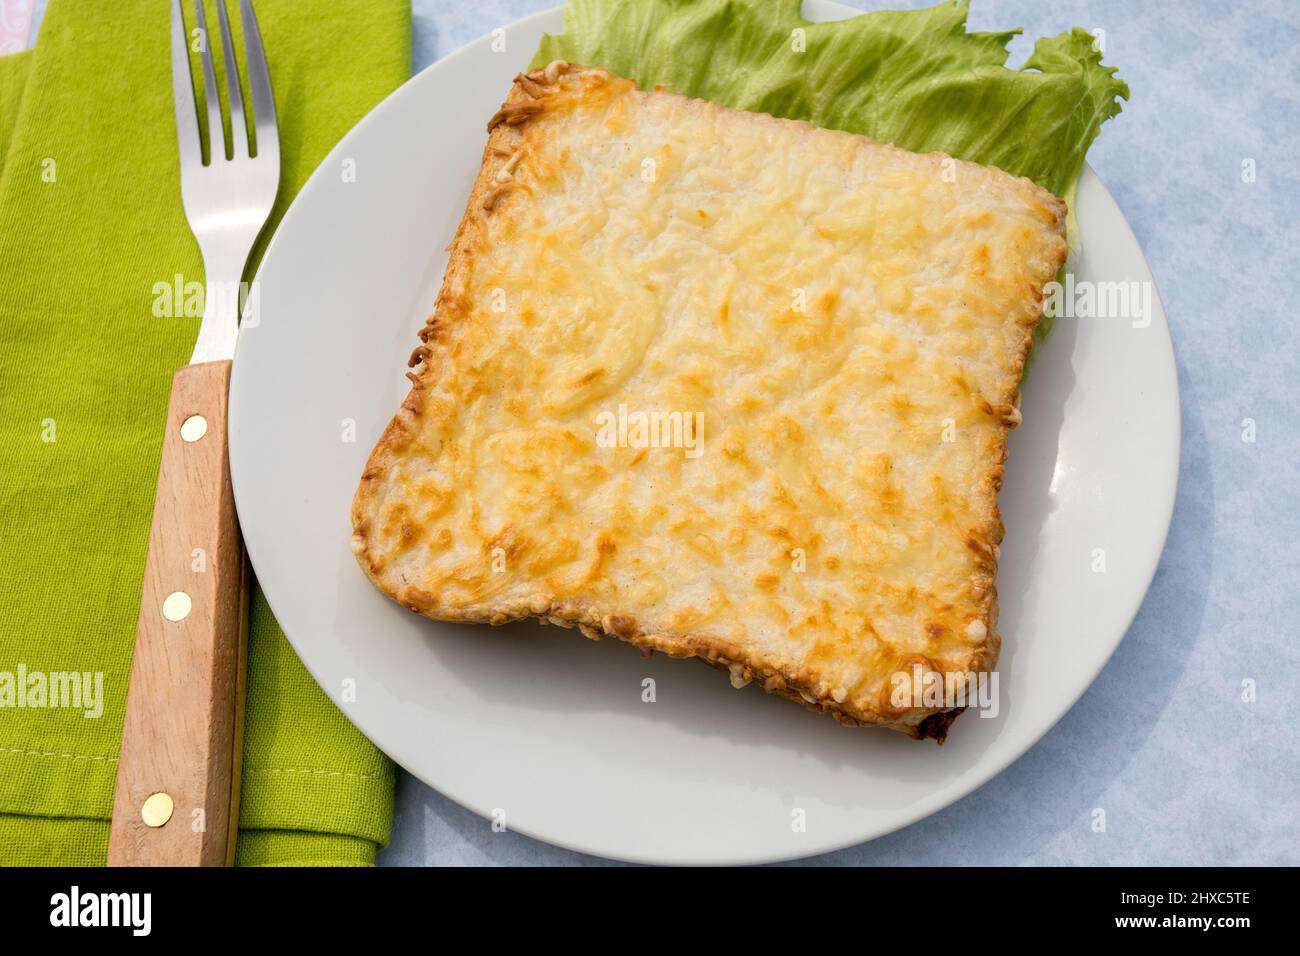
<point x="723" y="386"/>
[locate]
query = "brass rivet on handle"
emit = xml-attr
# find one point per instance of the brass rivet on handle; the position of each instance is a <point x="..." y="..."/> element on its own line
<point x="157" y="809"/>
<point x="194" y="428"/>
<point x="176" y="606"/>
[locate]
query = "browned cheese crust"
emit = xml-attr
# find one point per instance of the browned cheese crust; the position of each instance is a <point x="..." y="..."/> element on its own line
<point x="899" y="530"/>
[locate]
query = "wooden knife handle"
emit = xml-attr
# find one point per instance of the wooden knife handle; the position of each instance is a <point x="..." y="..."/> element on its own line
<point x="177" y="798"/>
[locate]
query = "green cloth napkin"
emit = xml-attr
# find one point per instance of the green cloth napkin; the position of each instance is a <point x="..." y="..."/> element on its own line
<point x="90" y="222"/>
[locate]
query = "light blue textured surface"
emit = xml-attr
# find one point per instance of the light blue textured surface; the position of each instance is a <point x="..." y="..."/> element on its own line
<point x="1185" y="770"/>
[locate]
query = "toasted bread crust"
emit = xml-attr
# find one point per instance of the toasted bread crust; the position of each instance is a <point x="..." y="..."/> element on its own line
<point x="530" y="97"/>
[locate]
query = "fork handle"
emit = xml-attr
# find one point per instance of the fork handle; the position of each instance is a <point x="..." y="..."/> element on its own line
<point x="183" y="732"/>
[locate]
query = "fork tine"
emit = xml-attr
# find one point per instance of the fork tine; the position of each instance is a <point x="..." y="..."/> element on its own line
<point x="216" y="133"/>
<point x="238" y="128"/>
<point x="187" y="121"/>
<point x="259" y="86"/>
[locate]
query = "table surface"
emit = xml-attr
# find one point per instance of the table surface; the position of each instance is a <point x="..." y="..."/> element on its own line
<point x="1187" y="767"/>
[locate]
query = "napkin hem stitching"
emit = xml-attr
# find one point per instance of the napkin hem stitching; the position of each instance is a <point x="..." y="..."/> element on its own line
<point x="247" y="770"/>
<point x="55" y="753"/>
<point x="323" y="773"/>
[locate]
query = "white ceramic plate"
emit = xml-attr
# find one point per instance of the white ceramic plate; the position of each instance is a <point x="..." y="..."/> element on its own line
<point x="550" y="728"/>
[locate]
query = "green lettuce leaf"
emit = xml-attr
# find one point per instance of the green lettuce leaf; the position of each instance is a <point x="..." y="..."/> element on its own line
<point x="915" y="78"/>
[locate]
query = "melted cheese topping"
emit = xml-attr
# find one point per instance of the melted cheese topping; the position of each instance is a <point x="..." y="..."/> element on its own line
<point x="845" y="321"/>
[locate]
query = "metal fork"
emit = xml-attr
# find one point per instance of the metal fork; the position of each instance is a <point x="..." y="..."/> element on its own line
<point x="183" y="731"/>
<point x="226" y="201"/>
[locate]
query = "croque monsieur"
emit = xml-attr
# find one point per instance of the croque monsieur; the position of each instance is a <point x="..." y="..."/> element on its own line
<point x="721" y="385"/>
